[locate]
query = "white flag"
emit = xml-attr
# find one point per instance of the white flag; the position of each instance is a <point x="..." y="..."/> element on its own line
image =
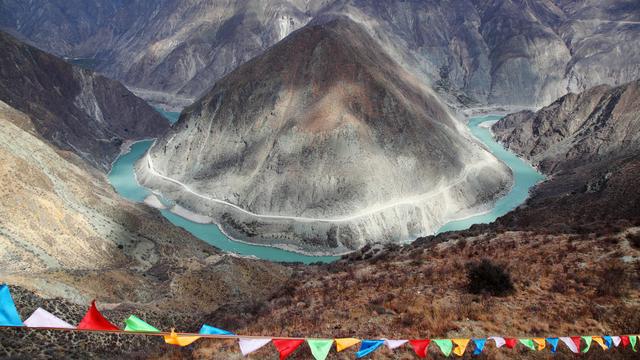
<point x="616" y="340"/>
<point x="247" y="346"/>
<point x="43" y="318"/>
<point x="499" y="341"/>
<point x="394" y="344"/>
<point x="570" y="344"/>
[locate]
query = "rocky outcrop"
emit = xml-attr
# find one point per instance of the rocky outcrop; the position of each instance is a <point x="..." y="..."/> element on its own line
<point x="505" y="52"/>
<point x="73" y="108"/>
<point x="374" y="154"/>
<point x="596" y="125"/>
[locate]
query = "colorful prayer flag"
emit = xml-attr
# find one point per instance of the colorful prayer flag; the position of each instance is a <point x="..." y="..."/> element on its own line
<point x="43" y="319"/>
<point x="320" y="347"/>
<point x="616" y="340"/>
<point x="510" y="343"/>
<point x="394" y="344"/>
<point x="344" y="343"/>
<point x="8" y="313"/>
<point x="460" y="346"/>
<point x="93" y="320"/>
<point x="134" y="323"/>
<point x="633" y="339"/>
<point x="420" y="347"/>
<point x="600" y="341"/>
<point x="528" y="343"/>
<point x="540" y="343"/>
<point x="587" y="341"/>
<point x="286" y="347"/>
<point x="499" y="341"/>
<point x="571" y="344"/>
<point x="210" y="330"/>
<point x="180" y="340"/>
<point x="625" y="340"/>
<point x="608" y="341"/>
<point x="479" y="344"/>
<point x="368" y="346"/>
<point x="247" y="346"/>
<point x="554" y="344"/>
<point x="445" y="345"/>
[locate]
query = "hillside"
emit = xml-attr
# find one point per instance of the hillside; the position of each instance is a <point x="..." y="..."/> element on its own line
<point x="375" y="155"/>
<point x="73" y="108"/>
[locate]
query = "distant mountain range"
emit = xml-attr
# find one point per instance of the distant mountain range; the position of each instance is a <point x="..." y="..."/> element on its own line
<point x="504" y="52"/>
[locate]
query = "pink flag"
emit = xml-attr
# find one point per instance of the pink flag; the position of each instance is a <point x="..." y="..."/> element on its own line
<point x="394" y="344"/>
<point x="44" y="319"/>
<point x="499" y="341"/>
<point x="570" y="344"/>
<point x="247" y="346"/>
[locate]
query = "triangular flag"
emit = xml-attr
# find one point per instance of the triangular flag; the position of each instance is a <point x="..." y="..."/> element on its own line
<point x="608" y="341"/>
<point x="554" y="344"/>
<point x="93" y="320"/>
<point x="394" y="344"/>
<point x="587" y="341"/>
<point x="576" y="340"/>
<point x="210" y="330"/>
<point x="540" y="343"/>
<point x="368" y="346"/>
<point x="286" y="347"/>
<point x="479" y="343"/>
<point x="510" y="343"/>
<point x="600" y="341"/>
<point x="445" y="345"/>
<point x="570" y="344"/>
<point x="134" y="323"/>
<point x="320" y="347"/>
<point x="499" y="341"/>
<point x="8" y="313"/>
<point x="180" y="340"/>
<point x="528" y="343"/>
<point x="625" y="340"/>
<point x="420" y="347"/>
<point x="247" y="346"/>
<point x="344" y="343"/>
<point x="616" y="340"/>
<point x="461" y="345"/>
<point x="41" y="318"/>
<point x="633" y="339"/>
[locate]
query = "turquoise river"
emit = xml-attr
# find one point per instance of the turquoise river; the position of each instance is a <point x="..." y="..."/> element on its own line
<point x="122" y="178"/>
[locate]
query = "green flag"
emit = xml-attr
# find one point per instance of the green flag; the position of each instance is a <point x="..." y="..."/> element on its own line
<point x="320" y="347"/>
<point x="134" y="323"/>
<point x="445" y="345"/>
<point x="528" y="343"/>
<point x="633" y="339"/>
<point x="587" y="342"/>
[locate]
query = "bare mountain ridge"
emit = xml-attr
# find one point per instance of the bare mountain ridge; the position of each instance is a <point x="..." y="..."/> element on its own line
<point x="507" y="52"/>
<point x="366" y="143"/>
<point x="71" y="107"/>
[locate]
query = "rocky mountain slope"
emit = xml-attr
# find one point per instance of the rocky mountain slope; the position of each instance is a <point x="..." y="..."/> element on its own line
<point x="507" y="52"/>
<point x="374" y="154"/>
<point x="73" y="108"/>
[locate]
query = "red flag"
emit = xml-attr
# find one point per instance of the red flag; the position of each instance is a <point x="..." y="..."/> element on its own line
<point x="420" y="347"/>
<point x="576" y="340"/>
<point x="286" y="347"/>
<point x="510" y="343"/>
<point x="625" y="340"/>
<point x="93" y="320"/>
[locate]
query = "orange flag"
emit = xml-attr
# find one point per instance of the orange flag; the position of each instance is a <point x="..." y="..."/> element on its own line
<point x="461" y="345"/>
<point x="345" y="343"/>
<point x="540" y="343"/>
<point x="175" y="339"/>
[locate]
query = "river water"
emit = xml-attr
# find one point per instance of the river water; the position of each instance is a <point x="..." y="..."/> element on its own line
<point x="122" y="178"/>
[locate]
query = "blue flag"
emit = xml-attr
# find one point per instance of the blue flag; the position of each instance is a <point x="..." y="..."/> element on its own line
<point x="8" y="313"/>
<point x="479" y="346"/>
<point x="608" y="341"/>
<point x="368" y="346"/>
<point x="210" y="330"/>
<point x="554" y="344"/>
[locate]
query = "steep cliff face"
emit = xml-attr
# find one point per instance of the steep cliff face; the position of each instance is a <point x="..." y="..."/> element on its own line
<point x="497" y="52"/>
<point x="373" y="153"/>
<point x="73" y="108"/>
<point x="596" y="125"/>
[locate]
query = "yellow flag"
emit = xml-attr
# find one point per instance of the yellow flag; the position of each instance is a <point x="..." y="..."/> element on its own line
<point x="540" y="343"/>
<point x="600" y="342"/>
<point x="344" y="343"/>
<point x="174" y="339"/>
<point x="461" y="345"/>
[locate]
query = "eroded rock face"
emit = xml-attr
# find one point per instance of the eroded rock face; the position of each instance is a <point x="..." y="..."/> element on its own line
<point x="505" y="52"/>
<point x="330" y="138"/>
<point x="73" y="108"/>
<point x="595" y="125"/>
